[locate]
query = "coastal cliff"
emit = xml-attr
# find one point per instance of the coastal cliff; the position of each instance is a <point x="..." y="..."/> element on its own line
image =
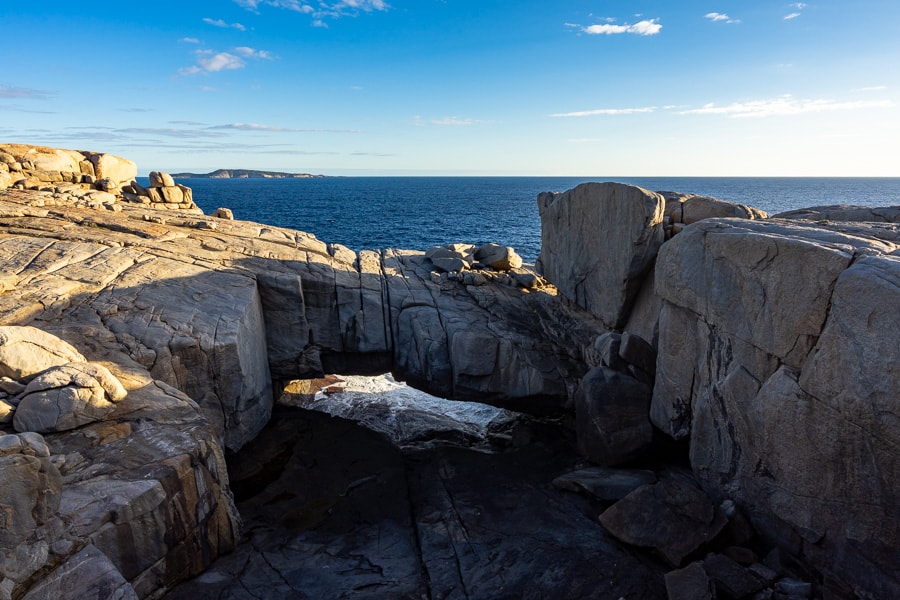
<point x="767" y="343"/>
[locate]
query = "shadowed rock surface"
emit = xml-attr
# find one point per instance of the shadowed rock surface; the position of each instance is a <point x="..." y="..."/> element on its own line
<point x="360" y="519"/>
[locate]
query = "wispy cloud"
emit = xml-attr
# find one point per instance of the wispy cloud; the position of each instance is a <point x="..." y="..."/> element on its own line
<point x="717" y="17"/>
<point x="798" y="8"/>
<point x="645" y="27"/>
<point x="453" y="122"/>
<point x="248" y="52"/>
<point x="874" y="88"/>
<point x="276" y="128"/>
<point x="10" y="91"/>
<point x="783" y="106"/>
<point x="606" y="112"/>
<point x="209" y="61"/>
<point x="320" y="9"/>
<point x="223" y="24"/>
<point x="189" y="40"/>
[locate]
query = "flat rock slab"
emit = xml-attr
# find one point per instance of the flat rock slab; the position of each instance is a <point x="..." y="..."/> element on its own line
<point x="332" y="510"/>
<point x="604" y="483"/>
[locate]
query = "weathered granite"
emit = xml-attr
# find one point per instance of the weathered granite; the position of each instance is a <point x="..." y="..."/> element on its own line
<point x="597" y="242"/>
<point x="777" y="358"/>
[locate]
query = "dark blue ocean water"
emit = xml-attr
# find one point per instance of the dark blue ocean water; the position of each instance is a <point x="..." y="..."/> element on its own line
<point x="419" y="212"/>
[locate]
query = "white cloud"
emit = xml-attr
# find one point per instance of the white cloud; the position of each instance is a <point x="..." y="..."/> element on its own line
<point x="275" y="128"/>
<point x="645" y="27"/>
<point x="222" y="61"/>
<point x="782" y="106"/>
<point x="874" y="88"/>
<point x="321" y="9"/>
<point x="607" y="112"/>
<point x="209" y="61"/>
<point x="190" y="40"/>
<point x="221" y="23"/>
<point x="798" y="6"/>
<point x="251" y="53"/>
<point x="716" y="16"/>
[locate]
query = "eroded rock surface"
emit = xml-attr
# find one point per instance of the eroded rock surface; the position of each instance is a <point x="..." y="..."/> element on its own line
<point x="778" y="359"/>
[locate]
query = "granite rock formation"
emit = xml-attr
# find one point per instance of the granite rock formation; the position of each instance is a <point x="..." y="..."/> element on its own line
<point x="157" y="339"/>
<point x="92" y="179"/>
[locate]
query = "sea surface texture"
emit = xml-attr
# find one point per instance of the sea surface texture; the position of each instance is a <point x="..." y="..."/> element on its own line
<point x="419" y="212"/>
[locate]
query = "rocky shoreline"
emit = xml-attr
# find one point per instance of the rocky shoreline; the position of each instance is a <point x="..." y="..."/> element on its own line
<point x="143" y="342"/>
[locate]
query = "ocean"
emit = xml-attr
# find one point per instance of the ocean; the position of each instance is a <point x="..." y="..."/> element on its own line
<point x="420" y="212"/>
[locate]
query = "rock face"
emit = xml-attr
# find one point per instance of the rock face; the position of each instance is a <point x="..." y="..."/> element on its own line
<point x="597" y="242"/>
<point x="132" y="501"/>
<point x="777" y="358"/>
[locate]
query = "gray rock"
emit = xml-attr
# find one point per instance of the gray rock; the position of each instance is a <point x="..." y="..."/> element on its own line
<point x="598" y="241"/>
<point x="772" y="336"/>
<point x="690" y="583"/>
<point x="500" y="258"/>
<point x="844" y="212"/>
<point x="603" y="483"/>
<point x="89" y="574"/>
<point x="731" y="579"/>
<point x="611" y="417"/>
<point x="673" y="517"/>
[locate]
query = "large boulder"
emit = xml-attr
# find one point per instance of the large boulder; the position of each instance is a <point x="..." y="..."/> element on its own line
<point x="66" y="397"/>
<point x="611" y="417"/>
<point x="673" y="517"/>
<point x="116" y="168"/>
<point x="777" y="358"/>
<point x="598" y="241"/>
<point x="26" y="351"/>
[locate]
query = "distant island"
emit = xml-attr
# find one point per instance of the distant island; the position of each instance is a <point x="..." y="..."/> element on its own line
<point x="244" y="174"/>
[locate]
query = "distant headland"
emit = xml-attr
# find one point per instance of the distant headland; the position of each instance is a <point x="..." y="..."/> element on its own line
<point x="244" y="174"/>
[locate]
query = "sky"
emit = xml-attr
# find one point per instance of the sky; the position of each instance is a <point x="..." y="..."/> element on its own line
<point x="461" y="87"/>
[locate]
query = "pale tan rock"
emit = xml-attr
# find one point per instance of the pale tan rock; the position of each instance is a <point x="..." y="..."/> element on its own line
<point x="65" y="397"/>
<point x="120" y="170"/>
<point x="6" y="411"/>
<point x="160" y="179"/>
<point x="26" y="351"/>
<point x="225" y="213"/>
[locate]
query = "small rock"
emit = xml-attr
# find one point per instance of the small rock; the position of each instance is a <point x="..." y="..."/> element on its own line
<point x="225" y="213"/>
<point x="690" y="583"/>
<point x="731" y="579"/>
<point x="501" y="258"/>
<point x="794" y="587"/>
<point x="159" y="179"/>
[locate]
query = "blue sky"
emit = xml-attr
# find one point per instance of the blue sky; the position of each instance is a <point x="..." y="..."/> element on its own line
<point x="464" y="87"/>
